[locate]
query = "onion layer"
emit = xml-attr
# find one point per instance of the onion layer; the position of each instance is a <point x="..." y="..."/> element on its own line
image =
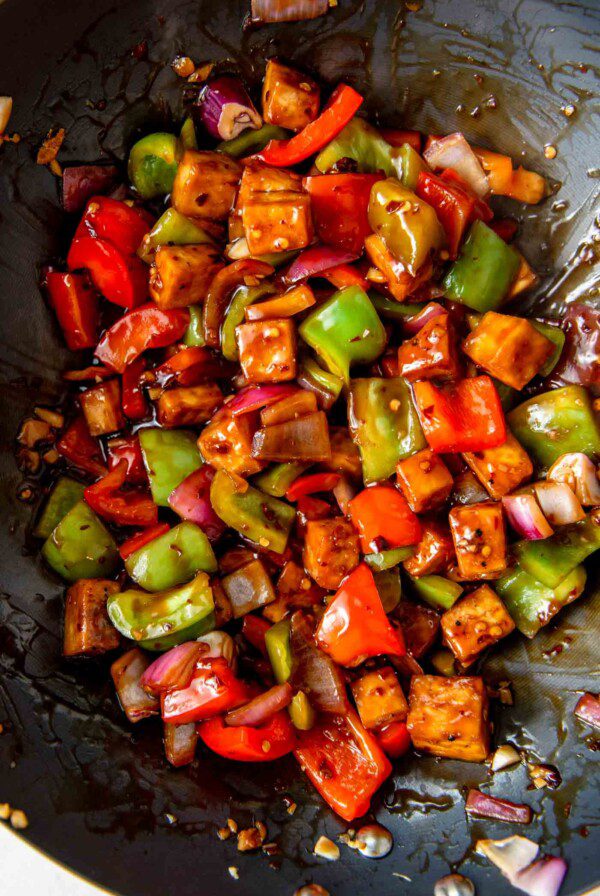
<point x="259" y="710"/>
<point x="578" y="472"/>
<point x="313" y="671"/>
<point x="588" y="710"/>
<point x="191" y="501"/>
<point x="559" y="504"/>
<point x="454" y="152"/>
<point x="226" y="109"/>
<point x="314" y="261"/>
<point x="287" y="10"/>
<point x="525" y="516"/>
<point x="172" y="670"/>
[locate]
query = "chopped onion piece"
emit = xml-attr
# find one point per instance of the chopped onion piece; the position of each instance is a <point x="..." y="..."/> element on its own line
<point x="253" y="398"/>
<point x="315" y="261"/>
<point x="588" y="710"/>
<point x="313" y="671"/>
<point x="172" y="670"/>
<point x="287" y="10"/>
<point x="226" y="109"/>
<point x="412" y="325"/>
<point x="343" y="493"/>
<point x="126" y="673"/>
<point x="218" y="645"/>
<point x="544" y="878"/>
<point x="525" y="516"/>
<point x="559" y="504"/>
<point x="259" y="710"/>
<point x="511" y="855"/>
<point x="191" y="501"/>
<point x="505" y="756"/>
<point x="486" y="806"/>
<point x="578" y="472"/>
<point x="238" y="249"/>
<point x="6" y="104"/>
<point x="454" y="152"/>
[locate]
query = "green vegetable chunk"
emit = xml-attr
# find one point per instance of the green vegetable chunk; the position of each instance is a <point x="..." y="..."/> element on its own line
<point x="531" y="604"/>
<point x="438" y="592"/>
<point x="172" y="558"/>
<point x="252" y="141"/>
<point x="277" y="641"/>
<point x="556" y="336"/>
<point x="169" y="456"/>
<point x="411" y="165"/>
<point x="551" y="560"/>
<point x="81" y="547"/>
<point x="172" y="229"/>
<point x="242" y="297"/>
<point x="388" y="559"/>
<point x="389" y="587"/>
<point x="278" y="478"/>
<point x="392" y="310"/>
<point x="187" y="135"/>
<point x="484" y="271"/>
<point x="362" y="143"/>
<point x="65" y="494"/>
<point x="153" y="164"/>
<point x="194" y="335"/>
<point x="259" y="517"/>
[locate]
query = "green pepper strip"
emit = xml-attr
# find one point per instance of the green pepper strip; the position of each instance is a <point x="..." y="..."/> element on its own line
<point x="187" y="135"/>
<point x="172" y="558"/>
<point x="153" y="164"/>
<point x="483" y="273"/>
<point x="411" y="165"/>
<point x="550" y="560"/>
<point x="170" y="455"/>
<point x="81" y="547"/>
<point x="277" y="641"/>
<point x="327" y="386"/>
<point x="252" y="141"/>
<point x="531" y="604"/>
<point x="361" y="142"/>
<point x="65" y="494"/>
<point x="242" y="297"/>
<point x="556" y="336"/>
<point x="437" y="591"/>
<point x="194" y="335"/>
<point x="277" y="479"/>
<point x="388" y="559"/>
<point x="259" y="517"/>
<point x="389" y="588"/>
<point x="396" y="311"/>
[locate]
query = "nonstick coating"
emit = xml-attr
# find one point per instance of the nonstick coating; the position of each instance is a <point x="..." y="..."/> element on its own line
<point x="97" y="791"/>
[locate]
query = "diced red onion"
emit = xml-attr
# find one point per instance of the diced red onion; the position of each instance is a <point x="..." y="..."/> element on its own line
<point x="544" y="878"/>
<point x="313" y="671"/>
<point x="287" y="10"/>
<point x="226" y="109"/>
<point x="314" y="261"/>
<point x="6" y="104"/>
<point x="580" y="359"/>
<point x="511" y="855"/>
<point x="588" y="710"/>
<point x="487" y="806"/>
<point x="126" y="673"/>
<point x="259" y="710"/>
<point x="454" y="152"/>
<point x="172" y="670"/>
<point x="343" y="493"/>
<point x="81" y="182"/>
<point x="253" y="398"/>
<point x="559" y="504"/>
<point x="579" y="473"/>
<point x="191" y="501"/>
<point x="412" y="325"/>
<point x="180" y="743"/>
<point x="525" y="516"/>
<point x="218" y="645"/>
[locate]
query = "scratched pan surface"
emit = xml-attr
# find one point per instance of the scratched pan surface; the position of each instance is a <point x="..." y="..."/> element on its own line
<point x="98" y="794"/>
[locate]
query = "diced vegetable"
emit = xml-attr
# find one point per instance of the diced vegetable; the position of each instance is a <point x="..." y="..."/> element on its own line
<point x="474" y="622"/>
<point x="420" y="626"/>
<point x="363" y="144"/>
<point x="437" y="591"/>
<point x="88" y="630"/>
<point x="153" y="164"/>
<point x="454" y="152"/>
<point x="172" y="670"/>
<point x="465" y="417"/>
<point x="125" y="508"/>
<point x="172" y="558"/>
<point x="101" y="406"/>
<point x="214" y="689"/>
<point x="172" y="229"/>
<point x="485" y="806"/>
<point x="509" y="348"/>
<point x="145" y="328"/>
<point x="247" y="744"/>
<point x="180" y="744"/>
<point x="313" y="671"/>
<point x="383" y="518"/>
<point x="169" y="456"/>
<point x="76" y="307"/>
<point x="532" y="604"/>
<point x="65" y="494"/>
<point x="252" y="141"/>
<point x="526" y="517"/>
<point x="225" y="108"/>
<point x="191" y="501"/>
<point x="449" y="717"/>
<point x="80" y="547"/>
<point x="484" y="271"/>
<point x="257" y="516"/>
<point x="579" y="473"/>
<point x="552" y="559"/>
<point x="126" y="673"/>
<point x="339" y="204"/>
<point x="559" y="504"/>
<point x="77" y="445"/>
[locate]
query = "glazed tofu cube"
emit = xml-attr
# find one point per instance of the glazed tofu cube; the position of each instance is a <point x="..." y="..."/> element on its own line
<point x="330" y="551"/>
<point x="290" y="99"/>
<point x="420" y="626"/>
<point x="206" y="184"/>
<point x="379" y="698"/>
<point x="479" y="540"/>
<point x="277" y="222"/>
<point x="345" y="457"/>
<point x="400" y="283"/>
<point x="431" y="354"/>
<point x="181" y="275"/>
<point x="295" y="590"/>
<point x="101" y="406"/>
<point x="501" y="470"/>
<point x="425" y="480"/>
<point x="434" y="553"/>
<point x="260" y="178"/>
<point x="305" y="440"/>
<point x="88" y="630"/>
<point x="474" y="623"/>
<point x="226" y="443"/>
<point x="509" y="348"/>
<point x="449" y="717"/>
<point x="267" y="350"/>
<point x="189" y="405"/>
<point x="223" y="608"/>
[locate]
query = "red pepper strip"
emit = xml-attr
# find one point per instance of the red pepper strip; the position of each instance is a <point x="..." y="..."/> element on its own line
<point x="240" y="273"/>
<point x="120" y="278"/>
<point x="354" y="625"/>
<point x="342" y="106"/>
<point x="313" y="508"/>
<point x="482" y="209"/>
<point x="145" y="328"/>
<point x="506" y="228"/>
<point x="133" y="400"/>
<point x="213" y="690"/>
<point x="133" y="508"/>
<point x="130" y="450"/>
<point x="345" y="275"/>
<point x="82" y="449"/>
<point x="339" y="205"/>
<point x="452" y="205"/>
<point x="308" y="485"/>
<point x="465" y="417"/>
<point x="245" y="744"/>
<point x="398" y="138"/>
<point x="192" y="365"/>
<point x="383" y="512"/>
<point x="109" y="219"/>
<point x="76" y="306"/>
<point x="344" y="762"/>
<point x="389" y="365"/>
<point x="93" y="372"/>
<point x="142" y="538"/>
<point x="394" y="739"/>
<point x="254" y="629"/>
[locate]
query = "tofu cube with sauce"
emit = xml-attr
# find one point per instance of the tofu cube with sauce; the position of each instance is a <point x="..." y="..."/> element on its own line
<point x="188" y="405"/>
<point x="88" y="630"/>
<point x="379" y="698"/>
<point x="267" y="350"/>
<point x="479" y="540"/>
<point x="425" y="480"/>
<point x="501" y="470"/>
<point x="206" y="184"/>
<point x="290" y="99"/>
<point x="434" y="553"/>
<point x="449" y="717"/>
<point x="181" y="275"/>
<point x="474" y="623"/>
<point x="330" y="551"/>
<point x="431" y="354"/>
<point x="277" y="222"/>
<point x="226" y="443"/>
<point x="101" y="406"/>
<point x="509" y="348"/>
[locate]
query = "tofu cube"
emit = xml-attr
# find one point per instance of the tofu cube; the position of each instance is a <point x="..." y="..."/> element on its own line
<point x="509" y="348"/>
<point x="474" y="623"/>
<point x="501" y="470"/>
<point x="181" y="275"/>
<point x="424" y="480"/>
<point x="88" y="630"/>
<point x="295" y="590"/>
<point x="435" y="551"/>
<point x="400" y="283"/>
<point x="226" y="443"/>
<point x="277" y="222"/>
<point x="101" y="406"/>
<point x="449" y="717"/>
<point x="379" y="698"/>
<point x="189" y="405"/>
<point x="479" y="540"/>
<point x="267" y="350"/>
<point x="330" y="551"/>
<point x="260" y="178"/>
<point x="345" y="456"/>
<point x="206" y="184"/>
<point x="420" y="626"/>
<point x="431" y="354"/>
<point x="290" y="99"/>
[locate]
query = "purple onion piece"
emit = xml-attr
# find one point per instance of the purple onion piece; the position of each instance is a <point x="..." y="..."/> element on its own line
<point x="588" y="710"/>
<point x="226" y="109"/>
<point x="81" y="182"/>
<point x="543" y="878"/>
<point x="287" y="10"/>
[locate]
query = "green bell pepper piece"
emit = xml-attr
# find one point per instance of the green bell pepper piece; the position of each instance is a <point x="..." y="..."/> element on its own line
<point x="389" y="587"/>
<point x="277" y="641"/>
<point x="362" y="143"/>
<point x="556" y="336"/>
<point x="81" y="547"/>
<point x="392" y="310"/>
<point x="484" y="271"/>
<point x="160" y="621"/>
<point x="411" y="165"/>
<point x="438" y="592"/>
<point x="187" y="135"/>
<point x="323" y="382"/>
<point x="343" y="330"/>
<point x="388" y="559"/>
<point x="408" y="226"/>
<point x="153" y="164"/>
<point x="550" y="560"/>
<point x="556" y="423"/>
<point x="252" y="141"/>
<point x="384" y="424"/>
<point x="172" y="229"/>
<point x="194" y="334"/>
<point x="65" y="494"/>
<point x="531" y="604"/>
<point x="277" y="479"/>
<point x="169" y="456"/>
<point x="259" y="517"/>
<point x="172" y="558"/>
<point x="242" y="297"/>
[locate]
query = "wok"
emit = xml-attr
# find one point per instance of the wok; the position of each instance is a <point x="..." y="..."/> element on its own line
<point x="97" y="792"/>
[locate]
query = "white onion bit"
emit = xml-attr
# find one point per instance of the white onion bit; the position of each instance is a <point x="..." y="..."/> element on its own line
<point x="454" y="885"/>
<point x="374" y="841"/>
<point x="510" y="855"/>
<point x="505" y="756"/>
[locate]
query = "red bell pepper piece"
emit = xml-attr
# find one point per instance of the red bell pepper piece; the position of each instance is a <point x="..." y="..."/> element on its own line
<point x="254" y="629"/>
<point x="452" y="205"/>
<point x="342" y="106"/>
<point x="308" y="485"/>
<point x="345" y="275"/>
<point x="76" y="306"/>
<point x="129" y="450"/>
<point x="133" y="399"/>
<point x="142" y="538"/>
<point x="317" y="261"/>
<point x="213" y="690"/>
<point x="354" y="625"/>
<point x="109" y="219"/>
<point x="136" y="332"/>
<point x="394" y="739"/>
<point x="481" y="208"/>
<point x="120" y="278"/>
<point x="81" y="449"/>
<point x="464" y="417"/>
<point x="313" y="508"/>
<point x="397" y="137"/>
<point x="339" y="205"/>
<point x="132" y="508"/>
<point x="245" y="744"/>
<point x="221" y="290"/>
<point x="382" y="512"/>
<point x="344" y="762"/>
<point x="506" y="228"/>
<point x="192" y="365"/>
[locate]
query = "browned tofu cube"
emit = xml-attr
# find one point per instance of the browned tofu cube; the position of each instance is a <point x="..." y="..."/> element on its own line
<point x="181" y="275"/>
<point x="277" y="222"/>
<point x="101" y="406"/>
<point x="267" y="350"/>
<point x="330" y="551"/>
<point x="424" y="480"/>
<point x="431" y="354"/>
<point x="88" y="630"/>
<point x="379" y="698"/>
<point x="260" y="178"/>
<point x="474" y="623"/>
<point x="501" y="470"/>
<point x="189" y="405"/>
<point x="180" y="743"/>
<point x="226" y="443"/>
<point x="290" y="98"/>
<point x="449" y="717"/>
<point x="295" y="590"/>
<point x="479" y="540"/>
<point x="223" y="608"/>
<point x="435" y="551"/>
<point x="400" y="283"/>
<point x="305" y="440"/>
<point x="345" y="457"/>
<point x="509" y="348"/>
<point x="420" y="626"/>
<point x="206" y="184"/>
